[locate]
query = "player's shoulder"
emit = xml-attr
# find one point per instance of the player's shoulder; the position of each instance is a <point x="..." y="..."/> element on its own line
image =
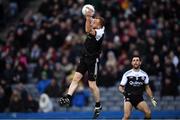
<point x="128" y="72"/>
<point x="143" y="72"/>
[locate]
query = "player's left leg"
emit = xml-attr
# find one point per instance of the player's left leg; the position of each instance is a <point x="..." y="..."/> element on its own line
<point x="66" y="100"/>
<point x="93" y="65"/>
<point x="95" y="90"/>
<point x="96" y="93"/>
<point x="142" y="106"/>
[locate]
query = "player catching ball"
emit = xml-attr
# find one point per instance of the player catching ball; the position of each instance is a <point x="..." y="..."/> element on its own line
<point x="89" y="60"/>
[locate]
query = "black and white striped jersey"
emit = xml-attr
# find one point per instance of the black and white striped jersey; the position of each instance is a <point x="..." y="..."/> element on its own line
<point x="93" y="44"/>
<point x="135" y="81"/>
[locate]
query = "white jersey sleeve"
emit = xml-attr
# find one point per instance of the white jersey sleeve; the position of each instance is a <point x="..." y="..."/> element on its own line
<point x="124" y="80"/>
<point x="99" y="33"/>
<point x="147" y="79"/>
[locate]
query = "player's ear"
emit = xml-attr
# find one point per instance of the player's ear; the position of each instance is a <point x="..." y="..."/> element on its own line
<point x="140" y="62"/>
<point x="131" y="63"/>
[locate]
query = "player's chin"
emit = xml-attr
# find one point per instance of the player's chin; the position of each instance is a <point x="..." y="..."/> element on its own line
<point x="136" y="66"/>
<point x="94" y="27"/>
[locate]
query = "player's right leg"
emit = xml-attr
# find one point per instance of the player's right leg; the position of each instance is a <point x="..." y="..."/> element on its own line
<point x="65" y="100"/>
<point x="127" y="110"/>
<point x="81" y="69"/>
<point x="74" y="84"/>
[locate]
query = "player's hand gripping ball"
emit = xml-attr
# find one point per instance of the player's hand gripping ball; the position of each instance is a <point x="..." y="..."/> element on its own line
<point x="88" y="8"/>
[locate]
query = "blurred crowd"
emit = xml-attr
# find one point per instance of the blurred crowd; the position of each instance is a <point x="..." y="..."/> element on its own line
<point x="44" y="48"/>
<point x="10" y="9"/>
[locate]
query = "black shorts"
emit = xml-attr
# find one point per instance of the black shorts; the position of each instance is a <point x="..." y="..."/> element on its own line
<point x="134" y="99"/>
<point x="90" y="64"/>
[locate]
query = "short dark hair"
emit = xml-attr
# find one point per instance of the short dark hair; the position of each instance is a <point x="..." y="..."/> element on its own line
<point x="135" y="56"/>
<point x="102" y="22"/>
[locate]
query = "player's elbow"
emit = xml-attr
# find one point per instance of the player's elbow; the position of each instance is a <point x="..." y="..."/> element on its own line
<point x="87" y="30"/>
<point x="120" y="88"/>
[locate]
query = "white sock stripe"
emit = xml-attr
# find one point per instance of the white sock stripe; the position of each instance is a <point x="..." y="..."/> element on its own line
<point x="96" y="67"/>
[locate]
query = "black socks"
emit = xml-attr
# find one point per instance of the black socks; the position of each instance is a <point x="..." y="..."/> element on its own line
<point x="98" y="104"/>
<point x="69" y="96"/>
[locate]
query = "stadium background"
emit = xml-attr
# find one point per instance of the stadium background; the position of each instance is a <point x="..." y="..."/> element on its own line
<point x="40" y="42"/>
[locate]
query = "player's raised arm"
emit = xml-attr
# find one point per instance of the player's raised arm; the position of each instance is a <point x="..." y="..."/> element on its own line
<point x="88" y="26"/>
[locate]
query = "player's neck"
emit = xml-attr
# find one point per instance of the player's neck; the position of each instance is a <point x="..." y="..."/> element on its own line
<point x="136" y="70"/>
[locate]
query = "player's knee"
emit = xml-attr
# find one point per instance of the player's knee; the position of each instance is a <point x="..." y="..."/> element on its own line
<point x="77" y="78"/>
<point x="93" y="86"/>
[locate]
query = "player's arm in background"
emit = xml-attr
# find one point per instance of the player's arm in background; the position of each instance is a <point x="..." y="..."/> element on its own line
<point x="149" y="91"/>
<point x="88" y="24"/>
<point x="98" y="33"/>
<point x="122" y="84"/>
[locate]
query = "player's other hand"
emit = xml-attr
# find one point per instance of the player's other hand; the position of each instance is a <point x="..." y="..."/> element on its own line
<point x="89" y="12"/>
<point x="126" y="94"/>
<point x="154" y="102"/>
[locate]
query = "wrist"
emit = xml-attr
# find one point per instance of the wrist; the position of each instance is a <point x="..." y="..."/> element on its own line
<point x="123" y="92"/>
<point x="88" y="17"/>
<point x="152" y="98"/>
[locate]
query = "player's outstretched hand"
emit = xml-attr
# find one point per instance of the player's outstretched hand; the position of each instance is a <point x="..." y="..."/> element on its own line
<point x="89" y="12"/>
<point x="154" y="102"/>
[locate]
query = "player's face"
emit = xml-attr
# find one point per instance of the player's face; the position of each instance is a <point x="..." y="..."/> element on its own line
<point x="136" y="63"/>
<point x="96" y="23"/>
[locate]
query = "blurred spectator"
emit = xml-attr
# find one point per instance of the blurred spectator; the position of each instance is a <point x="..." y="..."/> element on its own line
<point x="10" y="9"/>
<point x="13" y="9"/>
<point x="35" y="53"/>
<point x="58" y="73"/>
<point x="66" y="66"/>
<point x="107" y="76"/>
<point x="169" y="81"/>
<point x="2" y="13"/>
<point x="31" y="105"/>
<point x="53" y="90"/>
<point x="45" y="103"/>
<point x="2" y="99"/>
<point x="51" y="54"/>
<point x="44" y="7"/>
<point x="42" y="84"/>
<point x="168" y="89"/>
<point x="81" y="97"/>
<point x="111" y="61"/>
<point x="174" y="59"/>
<point x="46" y="72"/>
<point x="20" y="75"/>
<point x="157" y="69"/>
<point x="8" y="73"/>
<point x="16" y="104"/>
<point x="39" y="67"/>
<point x="6" y="92"/>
